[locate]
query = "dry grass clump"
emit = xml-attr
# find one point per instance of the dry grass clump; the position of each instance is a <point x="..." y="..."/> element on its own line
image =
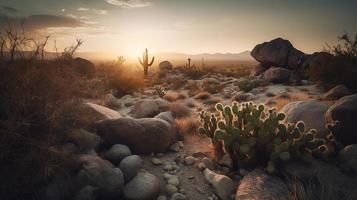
<point x="188" y="126"/>
<point x="284" y="95"/>
<point x="202" y="96"/>
<point x="177" y="82"/>
<point x="174" y="96"/>
<point x="179" y="110"/>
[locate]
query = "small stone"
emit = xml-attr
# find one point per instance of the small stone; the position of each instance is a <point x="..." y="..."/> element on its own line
<point x="170" y="189"/>
<point x="172" y="179"/>
<point x="227" y="161"/>
<point x="161" y="197"/>
<point x="144" y="186"/>
<point x="159" y="155"/>
<point x="169" y="167"/>
<point x="191" y="177"/>
<point x="202" y="166"/>
<point x="209" y="163"/>
<point x="243" y="172"/>
<point x="178" y="196"/>
<point x="222" y="185"/>
<point x="189" y="160"/>
<point x="117" y="153"/>
<point x="176" y="146"/>
<point x="157" y="161"/>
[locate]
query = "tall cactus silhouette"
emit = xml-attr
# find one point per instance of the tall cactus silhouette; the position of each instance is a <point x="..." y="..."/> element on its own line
<point x="145" y="62"/>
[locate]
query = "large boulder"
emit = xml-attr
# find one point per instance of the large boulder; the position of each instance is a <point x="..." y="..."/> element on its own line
<point x="277" y="75"/>
<point x="345" y="111"/>
<point x="148" y="108"/>
<point x="81" y="114"/>
<point x="144" y="135"/>
<point x="222" y="185"/>
<point x="165" y="66"/>
<point x="316" y="60"/>
<point x="258" y="70"/>
<point x="257" y="185"/>
<point x="101" y="174"/>
<point x="144" y="186"/>
<point x="278" y="52"/>
<point x="312" y="113"/>
<point x="84" y="67"/>
<point x="337" y="92"/>
<point x="347" y="158"/>
<point x="317" y="177"/>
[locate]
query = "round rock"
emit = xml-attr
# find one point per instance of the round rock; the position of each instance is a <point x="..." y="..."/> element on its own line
<point x="117" y="153"/>
<point x="130" y="167"/>
<point x="144" y="186"/>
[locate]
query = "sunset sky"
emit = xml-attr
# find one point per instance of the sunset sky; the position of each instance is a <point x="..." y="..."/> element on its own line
<point x="126" y="27"/>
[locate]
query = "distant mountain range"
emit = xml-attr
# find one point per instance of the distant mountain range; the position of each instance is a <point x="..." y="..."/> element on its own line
<point x="245" y="55"/>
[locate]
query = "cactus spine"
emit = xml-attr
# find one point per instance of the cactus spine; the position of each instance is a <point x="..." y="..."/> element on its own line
<point x="145" y="62"/>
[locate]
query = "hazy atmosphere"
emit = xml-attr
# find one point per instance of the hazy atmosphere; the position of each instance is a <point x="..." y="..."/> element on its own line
<point x="178" y="100"/>
<point x="125" y="27"/>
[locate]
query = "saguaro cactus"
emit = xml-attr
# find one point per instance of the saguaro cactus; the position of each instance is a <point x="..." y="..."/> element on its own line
<point x="145" y="62"/>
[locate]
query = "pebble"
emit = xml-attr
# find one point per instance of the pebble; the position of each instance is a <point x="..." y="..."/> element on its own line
<point x="202" y="166"/>
<point x="176" y="147"/>
<point x="172" y="179"/>
<point x="171" y="189"/>
<point x="209" y="163"/>
<point x="157" y="161"/>
<point x="178" y="196"/>
<point x="189" y="160"/>
<point x="161" y="197"/>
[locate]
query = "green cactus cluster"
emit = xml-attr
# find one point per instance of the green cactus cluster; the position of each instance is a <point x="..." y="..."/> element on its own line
<point x="253" y="135"/>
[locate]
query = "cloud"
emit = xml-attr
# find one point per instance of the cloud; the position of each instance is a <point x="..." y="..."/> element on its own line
<point x="8" y="9"/>
<point x="130" y="3"/>
<point x="96" y="11"/>
<point x="38" y="22"/>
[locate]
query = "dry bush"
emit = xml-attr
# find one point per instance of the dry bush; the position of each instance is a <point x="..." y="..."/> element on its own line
<point x="31" y="92"/>
<point x="188" y="126"/>
<point x="202" y="96"/>
<point x="179" y="110"/>
<point x="120" y="79"/>
<point x="177" y="82"/>
<point x="174" y="96"/>
<point x="192" y="87"/>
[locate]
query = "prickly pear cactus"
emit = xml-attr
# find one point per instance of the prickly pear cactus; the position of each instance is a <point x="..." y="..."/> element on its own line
<point x="253" y="135"/>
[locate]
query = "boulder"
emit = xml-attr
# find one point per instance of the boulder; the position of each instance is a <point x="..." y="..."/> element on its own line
<point x="86" y="193"/>
<point x="258" y="70"/>
<point x="84" y="67"/>
<point x="278" y="52"/>
<point x="178" y="196"/>
<point x="144" y="186"/>
<point x="316" y="60"/>
<point x="148" y="108"/>
<point x="166" y="116"/>
<point x="347" y="158"/>
<point x="130" y="167"/>
<point x="312" y="113"/>
<point x="223" y="186"/>
<point x="277" y="75"/>
<point x="83" y="139"/>
<point x="165" y="66"/>
<point x="258" y="185"/>
<point x="337" y="92"/>
<point x="345" y="111"/>
<point x="101" y="174"/>
<point x="79" y="114"/>
<point x="117" y="153"/>
<point x="146" y="135"/>
<point x="111" y="102"/>
<point x="319" y="178"/>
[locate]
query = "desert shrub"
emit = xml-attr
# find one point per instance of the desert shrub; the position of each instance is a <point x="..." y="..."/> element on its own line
<point x="342" y="68"/>
<point x="188" y="126"/>
<point x="253" y="135"/>
<point x="192" y="71"/>
<point x="120" y="79"/>
<point x="174" y="96"/>
<point x="177" y="82"/>
<point x="30" y="94"/>
<point x="211" y="87"/>
<point x="247" y="85"/>
<point x="179" y="110"/>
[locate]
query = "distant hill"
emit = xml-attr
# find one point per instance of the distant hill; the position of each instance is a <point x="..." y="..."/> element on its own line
<point x="245" y="55"/>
